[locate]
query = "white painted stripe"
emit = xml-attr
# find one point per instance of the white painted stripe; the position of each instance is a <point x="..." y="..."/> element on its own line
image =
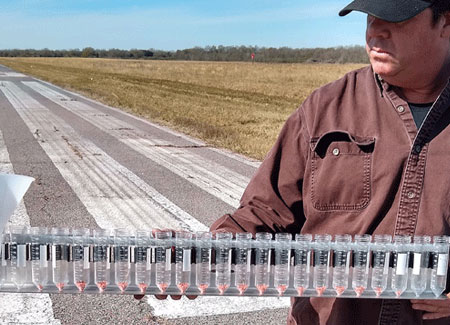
<point x="22" y="308"/>
<point x="232" y="155"/>
<point x="210" y="305"/>
<point x="114" y="196"/>
<point x="212" y="177"/>
<point x="12" y="74"/>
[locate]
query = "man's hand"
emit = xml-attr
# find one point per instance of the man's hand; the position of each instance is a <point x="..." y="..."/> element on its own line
<point x="433" y="309"/>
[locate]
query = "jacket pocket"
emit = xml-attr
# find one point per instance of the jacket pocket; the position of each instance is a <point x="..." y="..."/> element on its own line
<point x="340" y="171"/>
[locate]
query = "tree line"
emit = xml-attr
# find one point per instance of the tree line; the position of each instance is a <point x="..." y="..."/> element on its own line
<point x="341" y="54"/>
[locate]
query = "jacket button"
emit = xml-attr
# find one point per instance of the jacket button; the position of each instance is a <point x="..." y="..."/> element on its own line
<point x="411" y="195"/>
<point x="400" y="109"/>
<point x="336" y="151"/>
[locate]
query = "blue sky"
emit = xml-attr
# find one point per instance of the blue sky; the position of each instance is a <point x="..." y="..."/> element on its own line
<point x="176" y="24"/>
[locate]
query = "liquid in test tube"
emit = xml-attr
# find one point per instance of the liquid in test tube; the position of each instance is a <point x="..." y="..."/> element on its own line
<point x="302" y="262"/>
<point x="380" y="263"/>
<point x="439" y="265"/>
<point x="399" y="281"/>
<point x="163" y="259"/>
<point x="143" y="259"/>
<point x="282" y="261"/>
<point x="80" y="258"/>
<point x="122" y="265"/>
<point x="183" y="260"/>
<point x="203" y="260"/>
<point x="60" y="257"/>
<point x="39" y="256"/>
<point x="321" y="262"/>
<point x="262" y="260"/>
<point x="243" y="259"/>
<point x="101" y="260"/>
<point x="360" y="275"/>
<point x="223" y="260"/>
<point x="18" y="256"/>
<point x="341" y="263"/>
<point x="421" y="258"/>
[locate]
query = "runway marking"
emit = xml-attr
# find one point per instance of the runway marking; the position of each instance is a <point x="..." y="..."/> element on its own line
<point x="22" y="308"/>
<point x="12" y="74"/>
<point x="212" y="177"/>
<point x="115" y="197"/>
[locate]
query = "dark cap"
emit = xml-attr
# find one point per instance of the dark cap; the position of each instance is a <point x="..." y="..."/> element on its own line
<point x="389" y="10"/>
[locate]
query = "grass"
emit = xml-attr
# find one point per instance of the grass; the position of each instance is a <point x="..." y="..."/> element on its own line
<point x="235" y="105"/>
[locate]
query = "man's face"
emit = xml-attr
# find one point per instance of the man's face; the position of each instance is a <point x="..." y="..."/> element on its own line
<point x="402" y="53"/>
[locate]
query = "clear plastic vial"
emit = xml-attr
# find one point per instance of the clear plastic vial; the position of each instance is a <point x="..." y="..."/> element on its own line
<point x="321" y="263"/>
<point x="122" y="258"/>
<point x="243" y="253"/>
<point x="302" y="262"/>
<point x="282" y="261"/>
<point x="4" y="256"/>
<point x="101" y="259"/>
<point x="183" y="251"/>
<point x="80" y="257"/>
<point x="380" y="263"/>
<point x="39" y="256"/>
<point x="18" y="268"/>
<point x="421" y="259"/>
<point x="360" y="272"/>
<point x="262" y="260"/>
<point x="439" y="265"/>
<point x="223" y="260"/>
<point x="203" y="260"/>
<point x="399" y="270"/>
<point x="60" y="257"/>
<point x="341" y="262"/>
<point x="143" y="259"/>
<point x="163" y="259"/>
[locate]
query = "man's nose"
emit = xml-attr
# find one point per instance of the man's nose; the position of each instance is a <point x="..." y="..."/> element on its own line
<point x="377" y="28"/>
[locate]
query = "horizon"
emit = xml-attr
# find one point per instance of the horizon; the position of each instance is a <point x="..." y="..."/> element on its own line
<point x="178" y="25"/>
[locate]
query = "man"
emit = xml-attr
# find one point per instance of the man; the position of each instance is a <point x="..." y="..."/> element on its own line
<point x="369" y="154"/>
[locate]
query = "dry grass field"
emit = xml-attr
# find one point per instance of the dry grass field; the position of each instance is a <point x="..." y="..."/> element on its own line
<point x="234" y="105"/>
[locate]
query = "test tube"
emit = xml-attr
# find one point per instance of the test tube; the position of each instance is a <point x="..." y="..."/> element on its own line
<point x="282" y="261"/>
<point x="223" y="260"/>
<point x="39" y="256"/>
<point x="4" y="257"/>
<point x="321" y="263"/>
<point x="360" y="275"/>
<point x="143" y="259"/>
<point x="439" y="265"/>
<point x="399" y="270"/>
<point x="163" y="259"/>
<point x="80" y="258"/>
<point x="18" y="257"/>
<point x="262" y="260"/>
<point x="60" y="257"/>
<point x="341" y="263"/>
<point x="122" y="265"/>
<point x="421" y="259"/>
<point x="183" y="260"/>
<point x="203" y="260"/>
<point x="243" y="259"/>
<point x="101" y="260"/>
<point x="380" y="263"/>
<point x="302" y="262"/>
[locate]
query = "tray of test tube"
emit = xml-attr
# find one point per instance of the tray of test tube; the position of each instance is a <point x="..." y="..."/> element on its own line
<point x="61" y="260"/>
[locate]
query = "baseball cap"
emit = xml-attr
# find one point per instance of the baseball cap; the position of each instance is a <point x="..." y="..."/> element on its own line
<point x="389" y="10"/>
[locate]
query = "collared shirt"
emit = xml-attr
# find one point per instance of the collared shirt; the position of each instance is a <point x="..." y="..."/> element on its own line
<point x="351" y="160"/>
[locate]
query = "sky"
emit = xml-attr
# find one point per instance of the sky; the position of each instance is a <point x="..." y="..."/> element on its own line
<point x="177" y="24"/>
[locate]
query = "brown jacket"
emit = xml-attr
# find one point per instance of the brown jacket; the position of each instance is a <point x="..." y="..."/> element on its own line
<point x="351" y="160"/>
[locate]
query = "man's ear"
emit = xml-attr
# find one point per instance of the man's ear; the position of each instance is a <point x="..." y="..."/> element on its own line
<point x="445" y="32"/>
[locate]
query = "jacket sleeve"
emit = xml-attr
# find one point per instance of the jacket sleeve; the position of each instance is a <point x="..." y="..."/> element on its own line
<point x="273" y="199"/>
